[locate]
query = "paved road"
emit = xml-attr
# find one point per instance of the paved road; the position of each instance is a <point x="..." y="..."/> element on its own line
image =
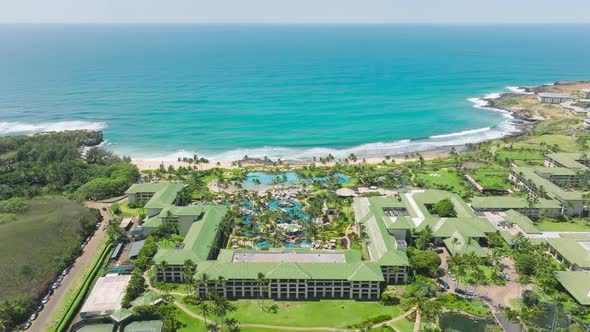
<point x="44" y="320"/>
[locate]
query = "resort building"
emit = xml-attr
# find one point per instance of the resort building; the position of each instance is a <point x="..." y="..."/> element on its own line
<point x="574" y="161"/>
<point x="463" y="234"/>
<point x="201" y="227"/>
<point x="105" y="297"/>
<point x="547" y="183"/>
<point x="577" y="284"/>
<point x="294" y="274"/>
<point x="553" y="98"/>
<point x="533" y="209"/>
<point x="585" y="93"/>
<point x="572" y="107"/>
<point x="572" y="250"/>
<point x="286" y="273"/>
<point x="156" y="196"/>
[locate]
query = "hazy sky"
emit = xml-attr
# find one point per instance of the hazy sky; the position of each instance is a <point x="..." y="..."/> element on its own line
<point x="297" y="11"/>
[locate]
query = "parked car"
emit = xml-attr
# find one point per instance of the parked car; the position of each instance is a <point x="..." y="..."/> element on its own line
<point x="452" y="276"/>
<point x="46" y="298"/>
<point x="506" y="277"/>
<point x="439" y="251"/>
<point x="459" y="291"/>
<point x="444" y="283"/>
<point x="55" y="285"/>
<point x="39" y="308"/>
<point x="26" y="326"/>
<point x="104" y="209"/>
<point x="60" y="279"/>
<point x="34" y="316"/>
<point x="470" y="293"/>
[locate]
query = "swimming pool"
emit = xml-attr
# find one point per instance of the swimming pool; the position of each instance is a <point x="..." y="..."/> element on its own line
<point x="292" y="179"/>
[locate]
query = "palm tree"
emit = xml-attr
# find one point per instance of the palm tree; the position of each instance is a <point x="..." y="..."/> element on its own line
<point x="188" y="271"/>
<point x="260" y="281"/>
<point x="205" y="308"/>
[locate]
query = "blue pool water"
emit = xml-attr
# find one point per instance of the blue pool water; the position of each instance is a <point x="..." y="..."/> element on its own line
<point x="293" y="179"/>
<point x="161" y="92"/>
<point x="293" y="211"/>
<point x="301" y="244"/>
<point x="262" y="245"/>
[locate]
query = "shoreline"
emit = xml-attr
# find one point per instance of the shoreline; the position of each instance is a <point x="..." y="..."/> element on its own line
<point x="520" y="124"/>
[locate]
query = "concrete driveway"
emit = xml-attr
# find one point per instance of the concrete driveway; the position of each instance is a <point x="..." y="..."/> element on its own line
<point x="43" y="322"/>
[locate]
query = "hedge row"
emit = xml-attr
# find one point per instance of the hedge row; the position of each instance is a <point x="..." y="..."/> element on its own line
<point x="82" y="292"/>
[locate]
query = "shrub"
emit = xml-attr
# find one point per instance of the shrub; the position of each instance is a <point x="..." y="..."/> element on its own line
<point x="444" y="208"/>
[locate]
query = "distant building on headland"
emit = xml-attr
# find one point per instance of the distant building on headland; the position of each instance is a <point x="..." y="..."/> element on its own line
<point x="553" y="98"/>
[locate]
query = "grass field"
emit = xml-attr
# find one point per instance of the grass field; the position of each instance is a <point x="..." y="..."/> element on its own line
<point x="492" y="177"/>
<point x="34" y="244"/>
<point x="574" y="225"/>
<point x="443" y="178"/>
<point x="526" y="155"/>
<point x="566" y="143"/>
<point x="190" y="324"/>
<point x="126" y="211"/>
<point x="325" y="313"/>
<point x="404" y="325"/>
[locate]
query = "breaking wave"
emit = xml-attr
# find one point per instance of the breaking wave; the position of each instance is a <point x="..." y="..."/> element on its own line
<point x="29" y="128"/>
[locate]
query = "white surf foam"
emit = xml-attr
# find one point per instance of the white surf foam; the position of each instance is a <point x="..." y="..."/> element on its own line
<point x="28" y="128"/>
<point x="518" y="90"/>
<point x="493" y="95"/>
<point x="462" y="133"/>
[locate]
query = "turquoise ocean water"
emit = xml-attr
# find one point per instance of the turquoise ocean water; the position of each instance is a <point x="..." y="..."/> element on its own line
<point x="225" y="91"/>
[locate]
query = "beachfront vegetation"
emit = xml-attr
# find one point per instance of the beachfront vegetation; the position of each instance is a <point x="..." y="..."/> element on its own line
<point x="52" y="164"/>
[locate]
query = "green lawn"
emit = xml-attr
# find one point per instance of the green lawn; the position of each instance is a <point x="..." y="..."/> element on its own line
<point x="577" y="224"/>
<point x="444" y="178"/>
<point x="523" y="155"/>
<point x="325" y="313"/>
<point x="566" y="143"/>
<point x="126" y="211"/>
<point x="190" y="324"/>
<point x="492" y="177"/>
<point x="404" y="325"/>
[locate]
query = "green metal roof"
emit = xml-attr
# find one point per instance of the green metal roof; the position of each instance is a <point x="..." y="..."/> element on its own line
<point x="146" y="298"/>
<point x="552" y="190"/>
<point x="469" y="227"/>
<point x="577" y="283"/>
<point x="432" y="196"/>
<point x="572" y="250"/>
<point x="361" y="271"/>
<point x="458" y="244"/>
<point x="522" y="221"/>
<point x="555" y="171"/>
<point x="164" y="193"/>
<point x="381" y="244"/>
<point x="198" y="240"/>
<point x="508" y="202"/>
<point x="568" y="160"/>
<point x="121" y="314"/>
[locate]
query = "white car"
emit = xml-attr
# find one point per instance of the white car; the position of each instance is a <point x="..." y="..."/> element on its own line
<point x="55" y="285"/>
<point x="46" y="298"/>
<point x="33" y="316"/>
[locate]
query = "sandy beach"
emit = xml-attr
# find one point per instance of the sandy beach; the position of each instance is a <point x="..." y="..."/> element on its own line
<point x="152" y="165"/>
